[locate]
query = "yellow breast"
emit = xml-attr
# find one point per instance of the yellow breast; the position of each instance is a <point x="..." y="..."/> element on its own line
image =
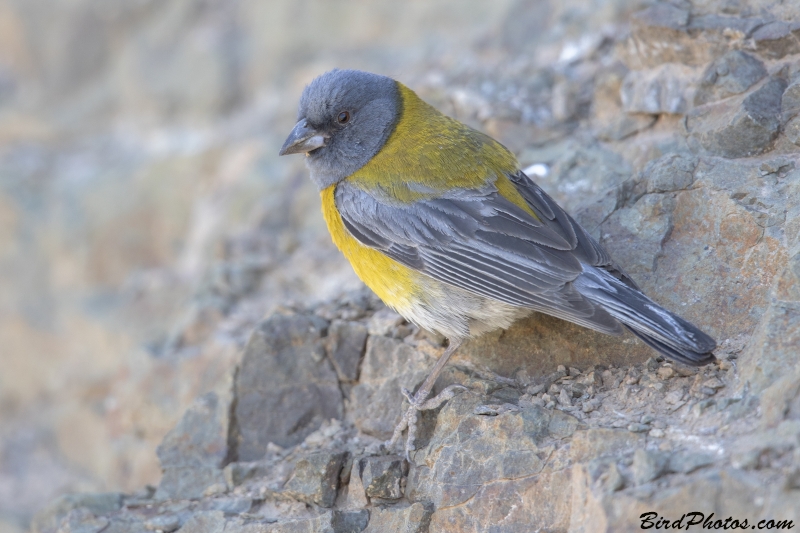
<point x="397" y="285"/>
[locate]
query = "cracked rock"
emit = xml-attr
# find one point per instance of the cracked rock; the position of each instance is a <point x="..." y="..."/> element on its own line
<point x="739" y="127"/>
<point x="316" y="478"/>
<point x="414" y="518"/>
<point x="731" y="74"/>
<point x="382" y="476"/>
<point x="671" y="172"/>
<point x="346" y="341"/>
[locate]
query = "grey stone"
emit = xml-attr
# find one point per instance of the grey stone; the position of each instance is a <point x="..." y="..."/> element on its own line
<point x="166" y="523"/>
<point x="229" y="505"/>
<point x="661" y="90"/>
<point x="790" y="102"/>
<point x="126" y="523"/>
<point x="193" y="453"/>
<point x="205" y="522"/>
<point x="792" y="130"/>
<point x="777" y="39"/>
<point x="733" y="73"/>
<point x="623" y="126"/>
<point x="774" y="343"/>
<point x="97" y="504"/>
<point x="82" y="520"/>
<point x="467" y="452"/>
<point x="239" y="472"/>
<point x="383" y="322"/>
<point x="603" y="442"/>
<point x="316" y="478"/>
<point x="687" y="462"/>
<point x="346" y="342"/>
<point x="663" y="15"/>
<point x="647" y="465"/>
<point x="671" y="172"/>
<point x="350" y="521"/>
<point x="381" y="476"/>
<point x="286" y="387"/>
<point x="376" y="402"/>
<point x="414" y="518"/>
<point x="188" y="481"/>
<point x="739" y="127"/>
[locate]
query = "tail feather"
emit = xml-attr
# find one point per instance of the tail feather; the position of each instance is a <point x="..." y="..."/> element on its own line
<point x="660" y="329"/>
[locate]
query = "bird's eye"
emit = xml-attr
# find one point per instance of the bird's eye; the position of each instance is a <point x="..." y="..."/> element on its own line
<point x="344" y="117"/>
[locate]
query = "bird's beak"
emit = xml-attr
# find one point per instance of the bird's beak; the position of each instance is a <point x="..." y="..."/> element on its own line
<point x="302" y="139"/>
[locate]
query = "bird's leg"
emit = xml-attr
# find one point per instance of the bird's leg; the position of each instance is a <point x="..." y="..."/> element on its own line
<point x="420" y="402"/>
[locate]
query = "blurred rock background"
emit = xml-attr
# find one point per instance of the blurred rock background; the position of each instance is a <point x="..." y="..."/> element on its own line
<point x="140" y="190"/>
<point x="147" y="228"/>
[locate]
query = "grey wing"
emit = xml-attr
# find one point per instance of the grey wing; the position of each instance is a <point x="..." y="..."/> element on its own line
<point x="481" y="242"/>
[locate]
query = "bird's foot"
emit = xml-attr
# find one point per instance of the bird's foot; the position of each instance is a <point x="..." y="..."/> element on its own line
<point x="419" y="402"/>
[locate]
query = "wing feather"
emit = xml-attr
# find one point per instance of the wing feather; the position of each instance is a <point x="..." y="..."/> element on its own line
<point x="482" y="242"/>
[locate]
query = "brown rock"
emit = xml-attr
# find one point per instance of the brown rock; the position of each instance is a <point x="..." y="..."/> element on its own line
<point x="414" y="518"/>
<point x="739" y="127"/>
<point x="382" y="476"/>
<point x="733" y="73"/>
<point x="316" y="478"/>
<point x="777" y="39"/>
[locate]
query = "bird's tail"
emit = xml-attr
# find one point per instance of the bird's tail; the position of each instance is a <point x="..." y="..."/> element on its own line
<point x="660" y="329"/>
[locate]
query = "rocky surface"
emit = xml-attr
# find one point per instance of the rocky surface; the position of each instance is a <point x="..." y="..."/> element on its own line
<point x="670" y="130"/>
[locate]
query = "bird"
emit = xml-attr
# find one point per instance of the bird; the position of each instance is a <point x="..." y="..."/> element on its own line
<point x="441" y="222"/>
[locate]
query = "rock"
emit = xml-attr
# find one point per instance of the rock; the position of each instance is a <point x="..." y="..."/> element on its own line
<point x="666" y="89"/>
<point x="286" y="387"/>
<point x="381" y="476"/>
<point x="763" y="364"/>
<point x="346" y="342"/>
<point x="647" y="465"/>
<point x="739" y="127"/>
<point x="49" y="518"/>
<point x="205" y="522"/>
<point x="414" y="518"/>
<point x="193" y="453"/>
<point x="731" y="74"/>
<point x="491" y="451"/>
<point x="383" y="322"/>
<point x="316" y="478"/>
<point x="376" y="402"/>
<point x="790" y="101"/>
<point x="669" y="173"/>
<point x="777" y="39"/>
<point x="687" y="462"/>
<point x="603" y="442"/>
<point x="792" y="130"/>
<point x="660" y="34"/>
<point x="81" y="520"/>
<point x="165" y="523"/>
<point x="350" y="521"/>
<point x="623" y="126"/>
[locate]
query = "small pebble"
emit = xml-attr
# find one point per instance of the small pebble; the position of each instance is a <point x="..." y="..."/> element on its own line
<point x="713" y="383"/>
<point x="565" y="398"/>
<point x="657" y="433"/>
<point x="665" y="372"/>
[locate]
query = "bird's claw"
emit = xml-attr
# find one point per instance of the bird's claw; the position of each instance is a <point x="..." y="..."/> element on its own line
<point x="418" y="402"/>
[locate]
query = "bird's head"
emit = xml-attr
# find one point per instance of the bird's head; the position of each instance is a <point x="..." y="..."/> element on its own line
<point x="344" y="119"/>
